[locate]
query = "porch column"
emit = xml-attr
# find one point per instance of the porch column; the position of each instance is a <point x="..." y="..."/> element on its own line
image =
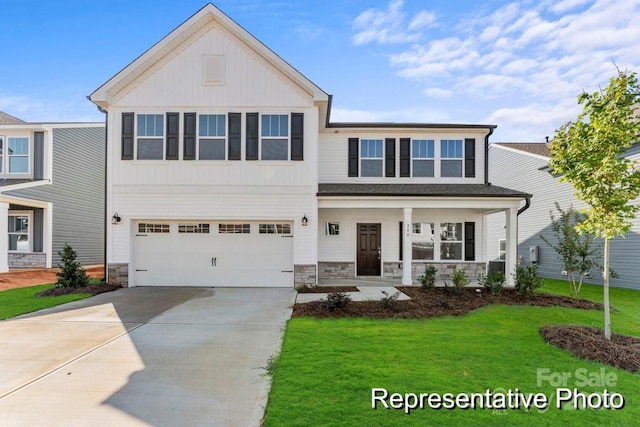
<point x="511" y="255"/>
<point x="406" y="248"/>
<point x="4" y="237"/>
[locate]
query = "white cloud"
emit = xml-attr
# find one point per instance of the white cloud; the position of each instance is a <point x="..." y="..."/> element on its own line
<point x="436" y="92"/>
<point x="566" y="5"/>
<point x="389" y="26"/>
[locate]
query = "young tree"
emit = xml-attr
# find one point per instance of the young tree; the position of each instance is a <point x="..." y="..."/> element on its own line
<point x="577" y="251"/>
<point x="71" y="274"/>
<point x="589" y="155"/>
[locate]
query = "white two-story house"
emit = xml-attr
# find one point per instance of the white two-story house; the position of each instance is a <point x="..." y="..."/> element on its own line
<point x="224" y="169"/>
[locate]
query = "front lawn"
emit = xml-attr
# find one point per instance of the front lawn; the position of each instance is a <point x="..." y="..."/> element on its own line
<point x="328" y="367"/>
<point x="15" y="302"/>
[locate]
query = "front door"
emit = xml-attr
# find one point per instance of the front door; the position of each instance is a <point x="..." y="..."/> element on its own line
<point x="369" y="249"/>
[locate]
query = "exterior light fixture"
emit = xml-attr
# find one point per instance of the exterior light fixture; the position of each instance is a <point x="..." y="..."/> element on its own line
<point x="115" y="219"/>
<point x="305" y="221"/>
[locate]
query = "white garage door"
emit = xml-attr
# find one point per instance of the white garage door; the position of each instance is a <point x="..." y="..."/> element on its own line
<point x="182" y="253"/>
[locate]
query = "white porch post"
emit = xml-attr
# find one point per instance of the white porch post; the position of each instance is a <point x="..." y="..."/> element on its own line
<point x="406" y="248"/>
<point x="511" y="255"/>
<point x="47" y="238"/>
<point x="4" y="237"/>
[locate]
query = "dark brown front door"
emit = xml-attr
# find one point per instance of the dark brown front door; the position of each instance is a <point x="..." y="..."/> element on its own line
<point x="369" y="249"/>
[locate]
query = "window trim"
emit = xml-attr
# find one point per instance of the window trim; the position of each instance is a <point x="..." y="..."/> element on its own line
<point x="414" y="158"/>
<point x="29" y="233"/>
<point x="361" y="159"/>
<point x="332" y="228"/>
<point x="5" y="156"/>
<point x="460" y="159"/>
<point x="138" y="137"/>
<point x="225" y="137"/>
<point x="261" y="137"/>
<point x="502" y="254"/>
<point x="460" y="241"/>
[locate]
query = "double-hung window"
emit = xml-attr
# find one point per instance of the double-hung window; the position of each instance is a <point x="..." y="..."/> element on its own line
<point x="212" y="137"/>
<point x="451" y="241"/>
<point x="150" y="136"/>
<point x="451" y="158"/>
<point x="18" y="154"/>
<point x="371" y="157"/>
<point x="274" y="137"/>
<point x="19" y="240"/>
<point x="422" y="241"/>
<point x="422" y="153"/>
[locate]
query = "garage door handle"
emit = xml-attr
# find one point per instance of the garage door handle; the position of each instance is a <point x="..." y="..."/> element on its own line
<point x="286" y="271"/>
<point x="213" y="262"/>
<point x="138" y="269"/>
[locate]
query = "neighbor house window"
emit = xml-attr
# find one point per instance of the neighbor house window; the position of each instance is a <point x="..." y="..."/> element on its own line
<point x="19" y="239"/>
<point x="150" y="136"/>
<point x="502" y="249"/>
<point x="212" y="137"/>
<point x="332" y="229"/>
<point x="451" y="158"/>
<point x="18" y="154"/>
<point x="274" y="132"/>
<point x="422" y="241"/>
<point x="422" y="154"/>
<point x="451" y="240"/>
<point x="371" y="157"/>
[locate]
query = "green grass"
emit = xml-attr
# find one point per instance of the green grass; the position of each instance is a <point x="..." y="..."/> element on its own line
<point x="327" y="367"/>
<point x="15" y="302"/>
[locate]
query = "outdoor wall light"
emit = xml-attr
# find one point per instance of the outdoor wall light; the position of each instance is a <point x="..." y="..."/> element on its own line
<point x="305" y="221"/>
<point x="115" y="219"/>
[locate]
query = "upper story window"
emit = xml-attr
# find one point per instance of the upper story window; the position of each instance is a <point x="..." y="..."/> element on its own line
<point x="150" y="136"/>
<point x="212" y="135"/>
<point x="451" y="158"/>
<point x="274" y="132"/>
<point x="371" y="157"/>
<point x="422" y="153"/>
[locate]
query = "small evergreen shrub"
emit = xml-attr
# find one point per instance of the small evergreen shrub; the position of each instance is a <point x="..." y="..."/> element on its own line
<point x="527" y="280"/>
<point x="71" y="274"/>
<point x="493" y="282"/>
<point x="460" y="280"/>
<point x="390" y="302"/>
<point x="335" y="301"/>
<point x="428" y="279"/>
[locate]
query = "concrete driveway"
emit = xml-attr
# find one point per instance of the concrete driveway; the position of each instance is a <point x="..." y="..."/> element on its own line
<point x="144" y="356"/>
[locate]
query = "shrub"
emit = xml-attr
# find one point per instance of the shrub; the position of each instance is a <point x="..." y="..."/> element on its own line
<point x="71" y="274"/>
<point x="335" y="301"/>
<point x="527" y="280"/>
<point x="428" y="279"/>
<point x="303" y="289"/>
<point x="493" y="282"/>
<point x="390" y="302"/>
<point x="460" y="280"/>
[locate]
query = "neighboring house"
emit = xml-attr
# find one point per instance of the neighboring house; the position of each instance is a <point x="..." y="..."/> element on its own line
<point x="524" y="165"/>
<point x="223" y="169"/>
<point x="51" y="192"/>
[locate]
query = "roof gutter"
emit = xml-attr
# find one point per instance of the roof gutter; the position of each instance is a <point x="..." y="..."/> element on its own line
<point x="486" y="156"/>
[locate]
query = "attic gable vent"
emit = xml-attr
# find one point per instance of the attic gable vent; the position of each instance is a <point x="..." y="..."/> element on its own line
<point x="212" y="69"/>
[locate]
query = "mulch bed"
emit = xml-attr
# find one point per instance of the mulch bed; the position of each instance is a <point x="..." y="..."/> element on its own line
<point x="90" y="289"/>
<point x="589" y="343"/>
<point x="326" y="289"/>
<point x="438" y="302"/>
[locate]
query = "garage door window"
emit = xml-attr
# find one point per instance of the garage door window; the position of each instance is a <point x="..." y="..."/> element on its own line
<point x="193" y="228"/>
<point x="153" y="228"/>
<point x="274" y="229"/>
<point x="234" y="228"/>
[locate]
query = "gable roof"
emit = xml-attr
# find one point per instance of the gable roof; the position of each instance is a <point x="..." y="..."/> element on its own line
<point x="8" y="119"/>
<point x="209" y="13"/>
<point x="536" y="148"/>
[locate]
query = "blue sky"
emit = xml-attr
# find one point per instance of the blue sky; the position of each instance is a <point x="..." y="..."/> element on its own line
<point x="516" y="64"/>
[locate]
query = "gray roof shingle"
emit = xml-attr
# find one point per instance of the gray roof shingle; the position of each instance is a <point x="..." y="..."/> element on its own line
<point x="8" y="119"/>
<point x="418" y="190"/>
<point x="538" y="148"/>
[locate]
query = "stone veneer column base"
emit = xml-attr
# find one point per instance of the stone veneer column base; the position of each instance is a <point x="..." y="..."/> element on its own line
<point x="304" y="275"/>
<point x="118" y="274"/>
<point x="27" y="260"/>
<point x="336" y="270"/>
<point x="474" y="270"/>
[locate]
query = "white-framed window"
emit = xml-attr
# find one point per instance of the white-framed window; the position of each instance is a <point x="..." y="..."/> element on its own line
<point x="150" y="136"/>
<point x="450" y="158"/>
<point x="234" y="228"/>
<point x="274" y="229"/>
<point x="274" y="137"/>
<point x="19" y="231"/>
<point x="451" y="241"/>
<point x="422" y="157"/>
<point x="18" y="154"/>
<point x="371" y="163"/>
<point x="212" y="137"/>
<point x="193" y="228"/>
<point x="422" y="241"/>
<point x="144" y="227"/>
<point x="1" y="154"/>
<point x="331" y="228"/>
<point x="502" y="249"/>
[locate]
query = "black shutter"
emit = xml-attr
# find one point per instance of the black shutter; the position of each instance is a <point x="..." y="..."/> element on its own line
<point x="173" y="132"/>
<point x="252" y="136"/>
<point x="401" y="232"/>
<point x="353" y="157"/>
<point x="469" y="158"/>
<point x="390" y="157"/>
<point x="189" y="136"/>
<point x="469" y="241"/>
<point x="127" y="137"/>
<point x="297" y="136"/>
<point x="405" y="157"/>
<point x="235" y="142"/>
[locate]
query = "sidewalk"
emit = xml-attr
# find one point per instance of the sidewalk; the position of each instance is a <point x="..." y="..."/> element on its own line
<point x="20" y="278"/>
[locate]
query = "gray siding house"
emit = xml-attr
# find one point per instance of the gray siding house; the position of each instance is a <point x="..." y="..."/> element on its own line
<point x="51" y="192"/>
<point x="523" y="166"/>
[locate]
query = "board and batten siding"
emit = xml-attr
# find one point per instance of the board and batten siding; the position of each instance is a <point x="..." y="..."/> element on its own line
<point x="334" y="143"/>
<point x="520" y="171"/>
<point x="342" y="248"/>
<point x="76" y="192"/>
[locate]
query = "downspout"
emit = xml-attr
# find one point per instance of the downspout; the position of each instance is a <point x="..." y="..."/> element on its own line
<point x="486" y="156"/>
<point x="527" y="203"/>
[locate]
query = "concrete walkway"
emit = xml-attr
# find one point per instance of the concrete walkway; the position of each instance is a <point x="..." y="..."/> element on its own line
<point x="365" y="293"/>
<point x="143" y="356"/>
